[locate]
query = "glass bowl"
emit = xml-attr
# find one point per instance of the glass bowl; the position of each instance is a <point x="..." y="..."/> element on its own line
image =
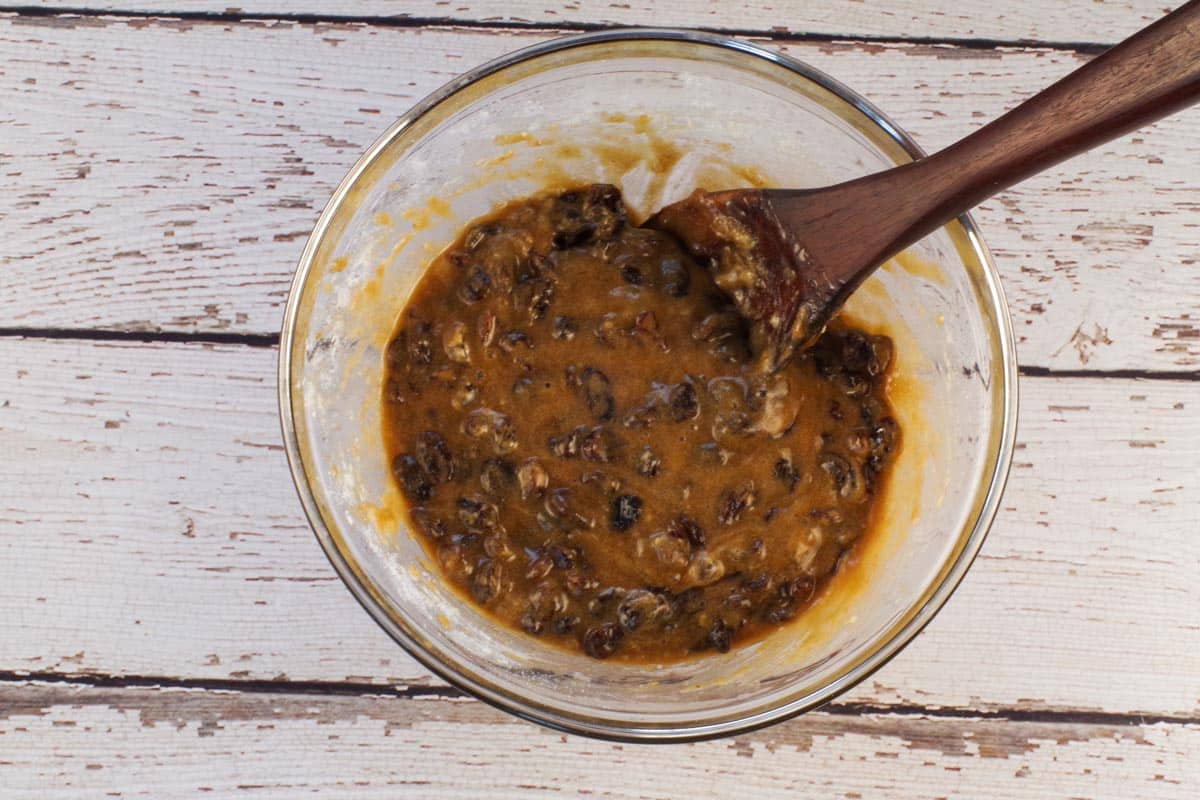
<point x="657" y="113"/>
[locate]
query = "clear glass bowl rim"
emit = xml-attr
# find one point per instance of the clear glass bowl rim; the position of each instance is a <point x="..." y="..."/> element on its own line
<point x="502" y="697"/>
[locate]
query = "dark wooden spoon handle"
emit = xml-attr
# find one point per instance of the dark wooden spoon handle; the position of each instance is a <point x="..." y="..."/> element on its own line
<point x="1149" y="75"/>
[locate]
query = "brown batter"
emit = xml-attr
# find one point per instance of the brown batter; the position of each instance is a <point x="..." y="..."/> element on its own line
<point x="587" y="448"/>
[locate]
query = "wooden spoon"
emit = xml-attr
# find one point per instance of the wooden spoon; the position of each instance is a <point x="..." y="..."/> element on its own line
<point x="789" y="258"/>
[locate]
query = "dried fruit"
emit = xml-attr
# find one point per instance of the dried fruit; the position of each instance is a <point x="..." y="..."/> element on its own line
<point x="735" y="502"/>
<point x="486" y="583"/>
<point x="626" y="509"/>
<point x="475" y="286"/>
<point x="720" y="636"/>
<point x="675" y="277"/>
<point x="682" y="402"/>
<point x="640" y="607"/>
<point x="497" y="477"/>
<point x="532" y="478"/>
<point x="647" y="463"/>
<point x="841" y="474"/>
<point x="454" y="342"/>
<point x="686" y="528"/>
<point x="414" y="481"/>
<point x="420" y="343"/>
<point x="434" y="457"/>
<point x="601" y="641"/>
<point x="597" y="394"/>
<point x="704" y="569"/>
<point x="786" y="472"/>
<point x="564" y="329"/>
<point x="477" y="514"/>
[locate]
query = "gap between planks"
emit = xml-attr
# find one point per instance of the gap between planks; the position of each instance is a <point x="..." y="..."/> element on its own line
<point x="556" y="26"/>
<point x="446" y="692"/>
<point x="268" y="340"/>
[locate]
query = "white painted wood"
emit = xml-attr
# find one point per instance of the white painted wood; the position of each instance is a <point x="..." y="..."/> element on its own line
<point x="68" y="742"/>
<point x="175" y="168"/>
<point x="151" y="529"/>
<point x="1004" y="20"/>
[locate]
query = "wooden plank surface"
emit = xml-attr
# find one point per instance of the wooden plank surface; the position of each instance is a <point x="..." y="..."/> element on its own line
<point x="170" y="626"/>
<point x="171" y="743"/>
<point x="158" y="534"/>
<point x="1002" y="20"/>
<point x="174" y="168"/>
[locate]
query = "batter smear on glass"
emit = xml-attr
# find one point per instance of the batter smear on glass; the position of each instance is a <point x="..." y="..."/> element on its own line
<point x="593" y="455"/>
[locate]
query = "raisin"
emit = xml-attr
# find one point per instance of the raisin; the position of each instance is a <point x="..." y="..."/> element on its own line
<point x="434" y="457"/>
<point x="600" y="641"/>
<point x="497" y="476"/>
<point x="841" y="474"/>
<point x="454" y="342"/>
<point x="597" y="394"/>
<point x="604" y="197"/>
<point x="790" y="595"/>
<point x="476" y="285"/>
<point x="640" y="606"/>
<point x="485" y="326"/>
<point x="675" y="277"/>
<point x="857" y="353"/>
<point x="420" y="343"/>
<point x="477" y="514"/>
<point x="486" y="583"/>
<point x="704" y="569"/>
<point x="787" y="473"/>
<point x="567" y="445"/>
<point x="540" y="296"/>
<point x="424" y="521"/>
<point x="597" y="445"/>
<point x="564" y="329"/>
<point x="646" y="327"/>
<point x="478" y="234"/>
<point x="608" y="329"/>
<point x="563" y="558"/>
<point x="881" y="356"/>
<point x="719" y="636"/>
<point x="512" y="340"/>
<point x="797" y="590"/>
<point x="632" y="275"/>
<point x="883" y="436"/>
<point x="532" y="478"/>
<point x="686" y="528"/>
<point x="854" y="385"/>
<point x="531" y="624"/>
<point x="558" y="503"/>
<point x="648" y="464"/>
<point x="626" y="509"/>
<point x="734" y="502"/>
<point x="413" y="480"/>
<point x="682" y="402"/>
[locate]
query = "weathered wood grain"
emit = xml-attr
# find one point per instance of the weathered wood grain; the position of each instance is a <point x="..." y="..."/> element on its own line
<point x="65" y="741"/>
<point x="150" y="528"/>
<point x="1008" y="20"/>
<point x="174" y="168"/>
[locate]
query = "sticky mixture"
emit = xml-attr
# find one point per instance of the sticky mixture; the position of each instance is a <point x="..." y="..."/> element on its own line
<point x="588" y="450"/>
